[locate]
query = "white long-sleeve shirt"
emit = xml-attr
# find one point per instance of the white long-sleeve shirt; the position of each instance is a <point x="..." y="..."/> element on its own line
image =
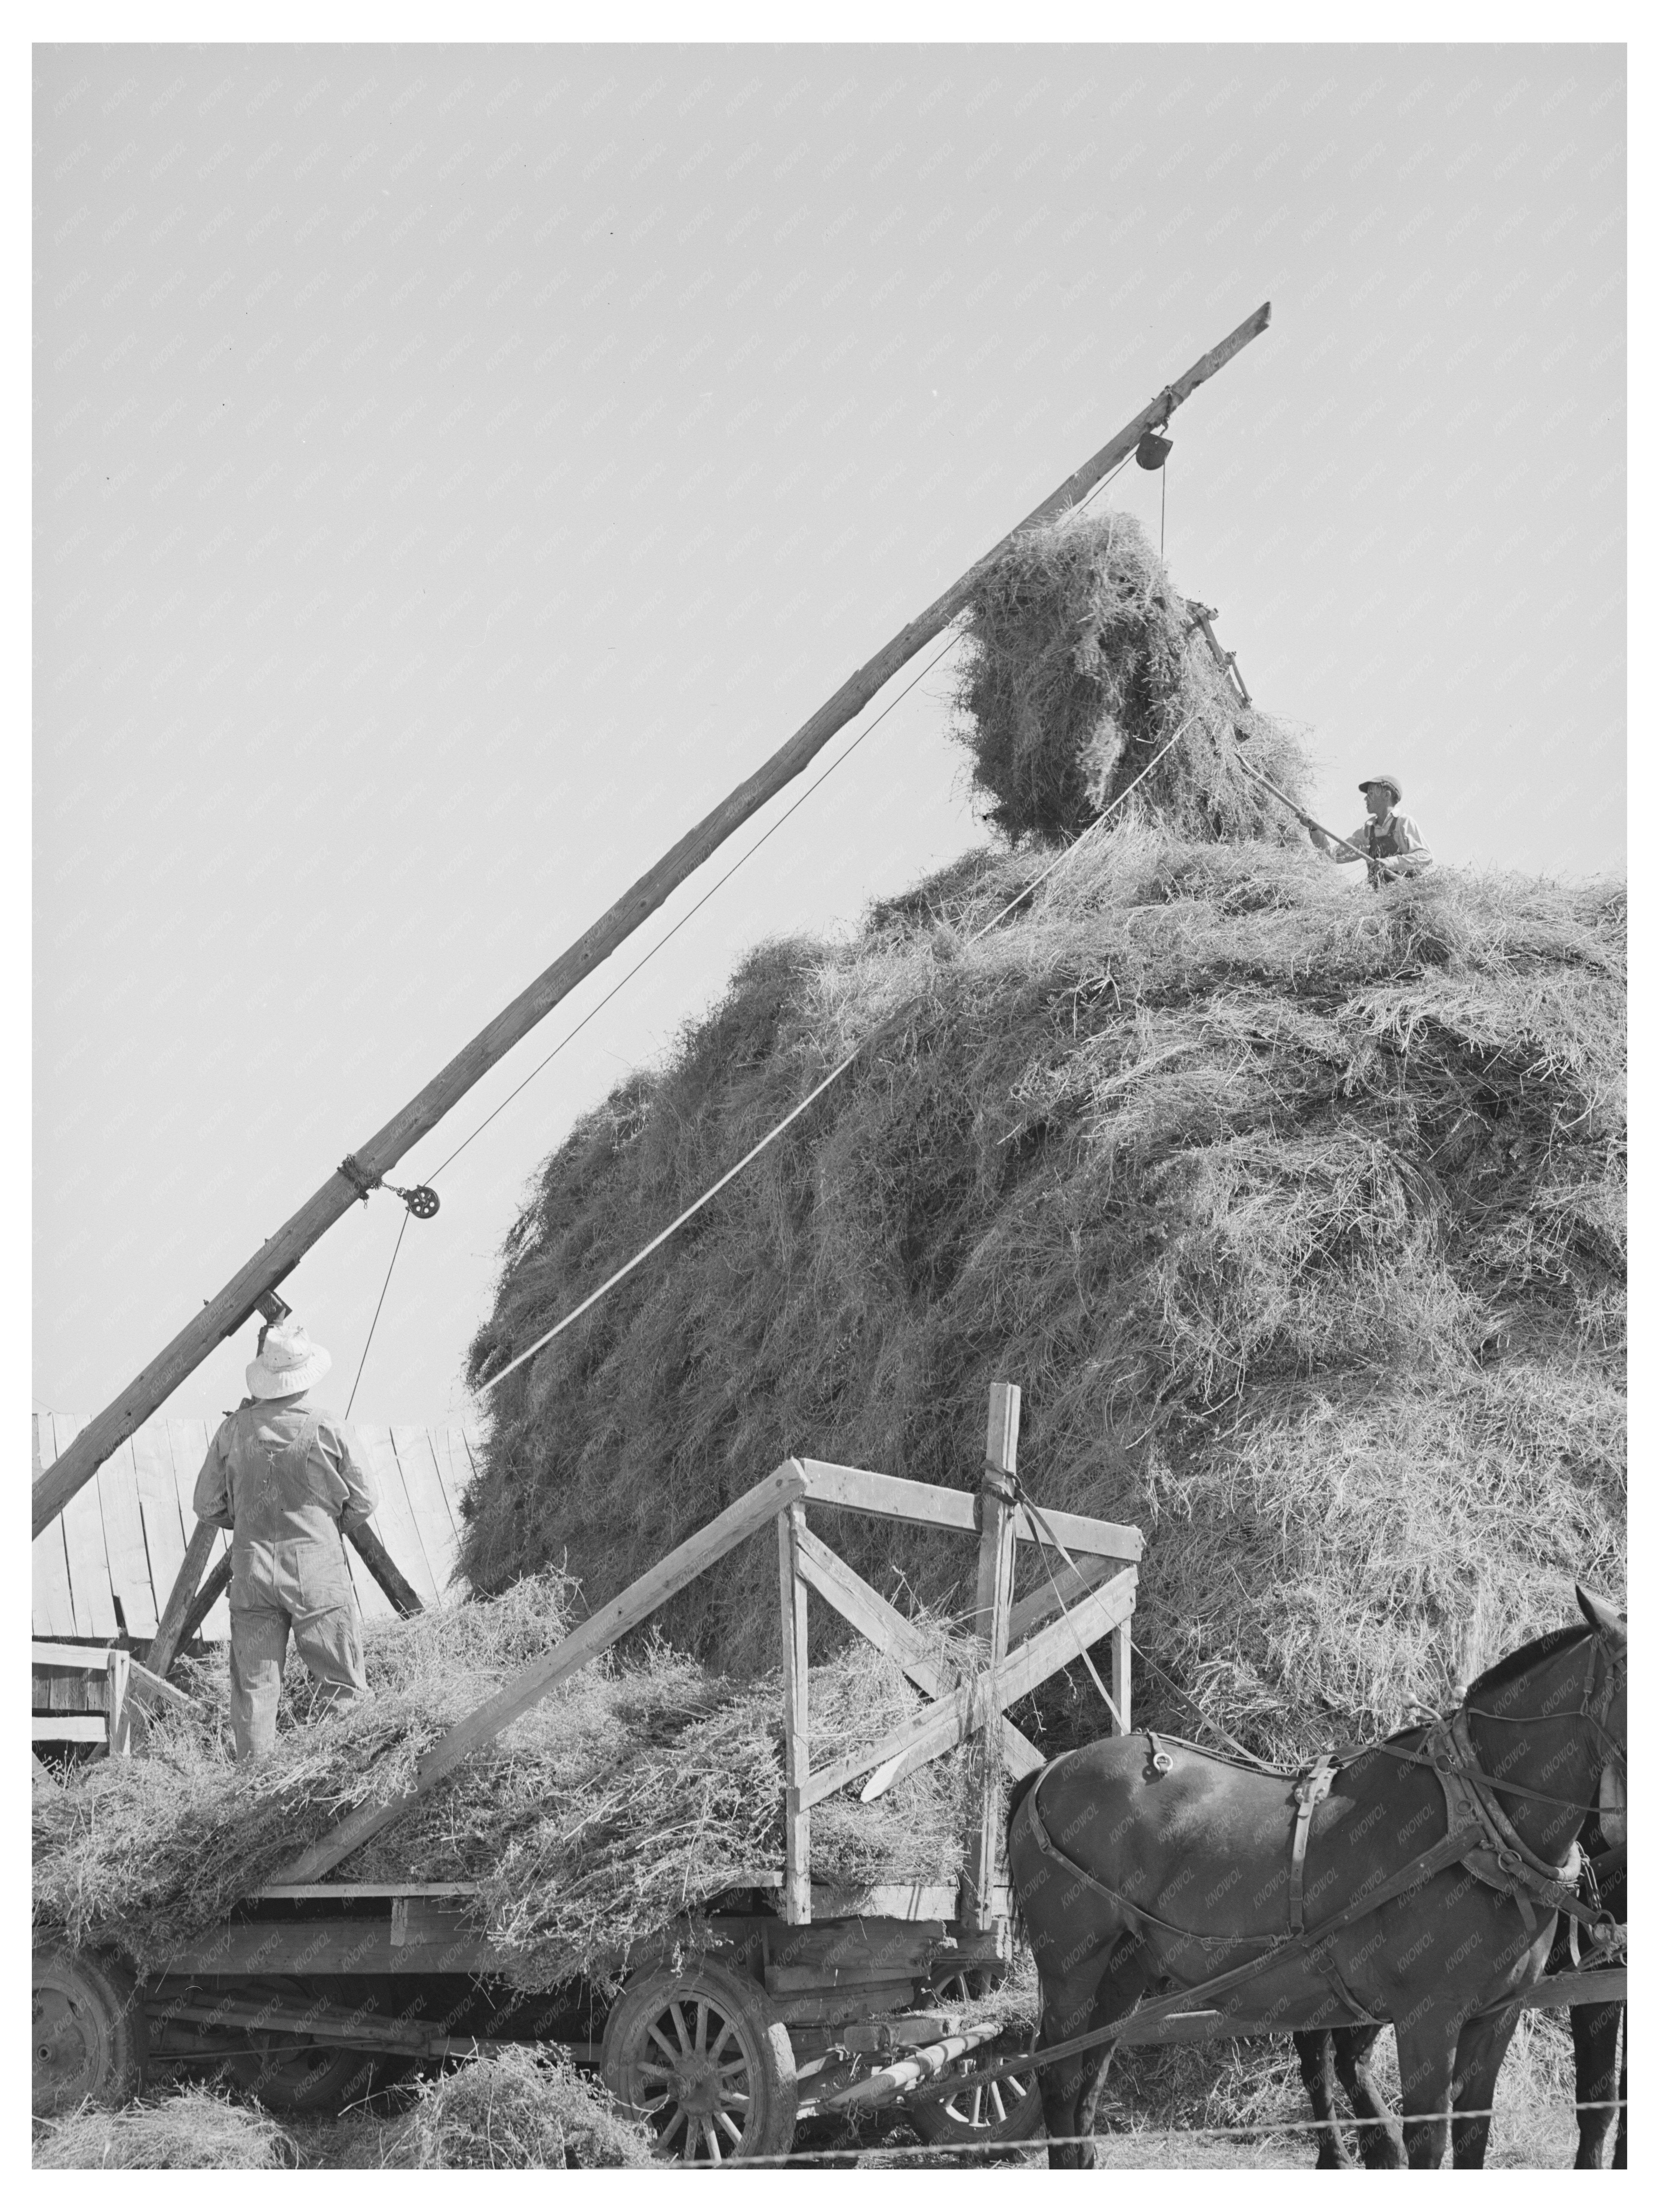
<point x="1395" y="838"/>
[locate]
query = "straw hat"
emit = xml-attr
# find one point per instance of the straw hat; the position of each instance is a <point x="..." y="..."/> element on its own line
<point x="288" y="1361"/>
<point x="1388" y="783"/>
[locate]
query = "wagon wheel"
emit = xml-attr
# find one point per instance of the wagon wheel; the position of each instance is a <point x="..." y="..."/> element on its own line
<point x="291" y="2075"/>
<point x="980" y="2112"/>
<point x="88" y="2034"/>
<point x="703" y="2057"/>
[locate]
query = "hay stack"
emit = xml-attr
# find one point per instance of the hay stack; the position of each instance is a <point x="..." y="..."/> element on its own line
<point x="1298" y="1212"/>
<point x="1082" y="665"/>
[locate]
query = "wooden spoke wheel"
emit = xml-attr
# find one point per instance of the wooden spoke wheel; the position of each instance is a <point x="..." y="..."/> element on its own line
<point x="88" y="2030"/>
<point x="291" y="2075"/>
<point x="702" y="2056"/>
<point x="980" y="2112"/>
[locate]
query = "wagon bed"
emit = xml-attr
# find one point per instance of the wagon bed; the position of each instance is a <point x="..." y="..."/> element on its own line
<point x="805" y="1994"/>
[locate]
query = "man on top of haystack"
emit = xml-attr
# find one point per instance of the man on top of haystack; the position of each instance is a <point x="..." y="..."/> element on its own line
<point x="283" y="1477"/>
<point x="1386" y="834"/>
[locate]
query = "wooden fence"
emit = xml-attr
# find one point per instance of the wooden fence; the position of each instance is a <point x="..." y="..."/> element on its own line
<point x="107" y="1562"/>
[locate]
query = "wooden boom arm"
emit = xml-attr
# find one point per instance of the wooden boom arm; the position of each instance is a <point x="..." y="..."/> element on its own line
<point x="280" y="1254"/>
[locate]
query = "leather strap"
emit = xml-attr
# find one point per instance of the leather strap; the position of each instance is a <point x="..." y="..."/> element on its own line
<point x="1503" y="1861"/>
<point x="1312" y="1789"/>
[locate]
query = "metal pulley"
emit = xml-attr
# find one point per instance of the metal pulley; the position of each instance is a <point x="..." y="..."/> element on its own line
<point x="421" y="1200"/>
<point x="1153" y="451"/>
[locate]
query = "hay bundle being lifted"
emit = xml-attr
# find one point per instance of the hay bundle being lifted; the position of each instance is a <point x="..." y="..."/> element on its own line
<point x="637" y="1790"/>
<point x="1083" y="665"/>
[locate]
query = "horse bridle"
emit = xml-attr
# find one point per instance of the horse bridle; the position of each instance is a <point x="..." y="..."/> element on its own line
<point x="1591" y="1707"/>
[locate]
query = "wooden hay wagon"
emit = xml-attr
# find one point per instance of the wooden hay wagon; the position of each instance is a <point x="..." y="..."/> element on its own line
<point x="776" y="2000"/>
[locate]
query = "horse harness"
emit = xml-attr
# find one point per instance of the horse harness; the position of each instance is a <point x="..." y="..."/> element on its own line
<point x="1479" y="1837"/>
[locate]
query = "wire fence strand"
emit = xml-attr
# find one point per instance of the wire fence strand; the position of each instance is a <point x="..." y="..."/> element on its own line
<point x="1126" y="2137"/>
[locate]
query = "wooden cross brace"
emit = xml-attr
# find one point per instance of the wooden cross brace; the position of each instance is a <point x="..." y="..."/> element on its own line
<point x="956" y="1715"/>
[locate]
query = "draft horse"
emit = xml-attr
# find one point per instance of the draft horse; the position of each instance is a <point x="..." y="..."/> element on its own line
<point x="1417" y="1882"/>
<point x="1600" y="2063"/>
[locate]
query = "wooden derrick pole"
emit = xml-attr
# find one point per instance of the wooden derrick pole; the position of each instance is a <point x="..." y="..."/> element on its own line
<point x="173" y="1628"/>
<point x="277" y="1257"/>
<point x="993" y="1602"/>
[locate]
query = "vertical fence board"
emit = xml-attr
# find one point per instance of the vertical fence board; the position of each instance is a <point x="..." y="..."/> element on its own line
<point x="84" y="1541"/>
<point x="123" y="1541"/>
<point x="51" y="1606"/>
<point x="189" y="1442"/>
<point x="130" y="1531"/>
<point x="394" y="1521"/>
<point x="158" y="1507"/>
<point x="418" y="1460"/>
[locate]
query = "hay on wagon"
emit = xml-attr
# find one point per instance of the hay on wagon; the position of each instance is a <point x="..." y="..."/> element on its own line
<point x="640" y="1788"/>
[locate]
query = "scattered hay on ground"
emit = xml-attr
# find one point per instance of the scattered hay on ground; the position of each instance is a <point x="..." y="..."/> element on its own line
<point x="192" y="2129"/>
<point x="518" y="2107"/>
<point x="1081" y="663"/>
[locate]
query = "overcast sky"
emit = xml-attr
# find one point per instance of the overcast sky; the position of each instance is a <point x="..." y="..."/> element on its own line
<point x="455" y="469"/>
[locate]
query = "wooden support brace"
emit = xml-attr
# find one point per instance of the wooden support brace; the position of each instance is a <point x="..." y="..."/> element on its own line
<point x="926" y="1505"/>
<point x="953" y="1718"/>
<point x="1042" y="1604"/>
<point x="206" y="1598"/>
<point x="120" y="1721"/>
<point x="146" y="1688"/>
<point x="170" y="1630"/>
<point x="993" y="1599"/>
<point x="887" y="1628"/>
<point x="797" y="1820"/>
<point x="380" y="1564"/>
<point x="746" y="1518"/>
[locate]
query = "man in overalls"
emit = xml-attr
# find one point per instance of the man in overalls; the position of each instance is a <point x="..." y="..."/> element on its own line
<point x="1386" y="834"/>
<point x="283" y="1477"/>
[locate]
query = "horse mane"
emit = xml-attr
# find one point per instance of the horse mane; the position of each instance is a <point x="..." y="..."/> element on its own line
<point x="1519" y="1661"/>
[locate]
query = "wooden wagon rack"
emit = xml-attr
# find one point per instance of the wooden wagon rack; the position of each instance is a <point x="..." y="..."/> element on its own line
<point x="1022" y="1645"/>
<point x="854" y="1981"/>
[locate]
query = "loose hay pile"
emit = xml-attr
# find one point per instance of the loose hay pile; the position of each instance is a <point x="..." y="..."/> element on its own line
<point x="1082" y="665"/>
<point x="189" y="2132"/>
<point x="638" y="1790"/>
<point x="1297" y="1211"/>
<point x="517" y="2108"/>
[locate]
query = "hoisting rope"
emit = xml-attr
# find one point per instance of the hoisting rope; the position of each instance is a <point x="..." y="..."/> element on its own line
<point x="1203" y="620"/>
<point x="413" y="1199"/>
<point x="378" y="1303"/>
<point x="881" y="1029"/>
<point x="1017" y="1493"/>
<point x="623" y="982"/>
<point x="425" y="1190"/>
<point x="949" y="645"/>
